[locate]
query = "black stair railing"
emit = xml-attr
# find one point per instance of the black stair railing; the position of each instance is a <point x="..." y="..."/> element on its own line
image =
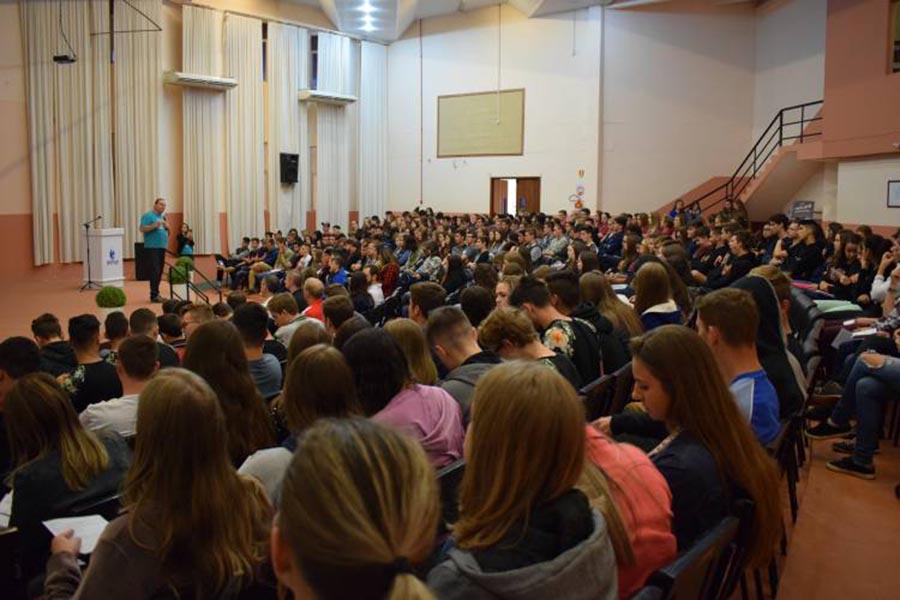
<point x="787" y="126"/>
<point x="190" y="286"/>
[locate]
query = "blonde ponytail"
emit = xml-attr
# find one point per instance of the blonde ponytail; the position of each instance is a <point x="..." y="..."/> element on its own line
<point x="409" y="587"/>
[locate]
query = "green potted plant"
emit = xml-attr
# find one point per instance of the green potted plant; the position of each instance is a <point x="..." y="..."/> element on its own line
<point x="180" y="275"/>
<point x="110" y="299"/>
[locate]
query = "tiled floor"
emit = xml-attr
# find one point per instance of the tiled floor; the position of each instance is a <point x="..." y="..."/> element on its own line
<point x="845" y="545"/>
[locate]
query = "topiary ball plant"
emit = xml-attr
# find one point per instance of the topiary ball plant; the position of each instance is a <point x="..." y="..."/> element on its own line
<point x="180" y="273"/>
<point x="111" y="297"/>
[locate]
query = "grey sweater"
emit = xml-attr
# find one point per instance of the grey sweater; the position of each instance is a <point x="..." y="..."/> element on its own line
<point x="585" y="572"/>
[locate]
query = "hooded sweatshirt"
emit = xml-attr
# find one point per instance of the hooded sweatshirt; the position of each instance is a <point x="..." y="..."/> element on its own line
<point x="460" y="382"/>
<point x="611" y="348"/>
<point x="584" y="568"/>
<point x="58" y="358"/>
<point x="770" y="346"/>
<point x="432" y="417"/>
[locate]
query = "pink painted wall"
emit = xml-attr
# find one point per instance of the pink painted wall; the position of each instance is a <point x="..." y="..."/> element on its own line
<point x="862" y="96"/>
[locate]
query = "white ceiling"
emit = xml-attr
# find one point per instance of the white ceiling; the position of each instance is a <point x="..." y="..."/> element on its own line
<point x="386" y="20"/>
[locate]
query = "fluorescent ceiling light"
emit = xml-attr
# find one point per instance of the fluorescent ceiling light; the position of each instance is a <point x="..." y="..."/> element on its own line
<point x="367" y="27"/>
<point x="367" y="8"/>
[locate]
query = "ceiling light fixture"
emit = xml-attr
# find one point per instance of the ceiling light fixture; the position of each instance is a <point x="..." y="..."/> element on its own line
<point x="367" y="7"/>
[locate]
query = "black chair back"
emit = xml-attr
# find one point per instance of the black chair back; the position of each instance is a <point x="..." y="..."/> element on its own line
<point x="598" y="396"/>
<point x="650" y="592"/>
<point x="624" y="384"/>
<point x="698" y="574"/>
<point x="449" y="479"/>
<point x="12" y="580"/>
<point x="107" y="507"/>
<point x="745" y="511"/>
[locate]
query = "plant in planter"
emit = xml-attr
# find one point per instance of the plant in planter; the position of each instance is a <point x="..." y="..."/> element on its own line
<point x="110" y="299"/>
<point x="180" y="275"/>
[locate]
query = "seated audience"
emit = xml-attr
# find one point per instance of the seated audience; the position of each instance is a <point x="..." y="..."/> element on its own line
<point x="57" y="464"/>
<point x="728" y="320"/>
<point x="19" y="357"/>
<point x="314" y="294"/>
<point x="215" y="351"/>
<point x="171" y="333"/>
<point x="143" y="321"/>
<point x="525" y="530"/>
<point x="873" y="380"/>
<point x="336" y="311"/>
<point x="115" y="328"/>
<point x="805" y="255"/>
<point x="710" y="456"/>
<point x="137" y="364"/>
<point x="308" y="334"/>
<point x="574" y="338"/>
<point x="455" y="343"/>
<point x="293" y="283"/>
<point x="181" y="484"/>
<point x="737" y="263"/>
<point x="565" y="296"/>
<point x="363" y="301"/>
<point x="285" y="314"/>
<point x="504" y="289"/>
<point x="251" y="320"/>
<point x="414" y="345"/>
<point x="653" y="297"/>
<point x="596" y="289"/>
<point x="511" y="334"/>
<point x="644" y="500"/>
<point x="318" y="385"/>
<point x="328" y="541"/>
<point x="348" y="329"/>
<point x="94" y="379"/>
<point x="222" y="310"/>
<point x="388" y="396"/>
<point x="477" y="302"/>
<point x="424" y="297"/>
<point x="195" y="315"/>
<point x="57" y="356"/>
<point x="373" y="286"/>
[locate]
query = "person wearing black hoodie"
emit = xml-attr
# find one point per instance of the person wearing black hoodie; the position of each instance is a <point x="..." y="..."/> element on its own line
<point x="565" y="295"/>
<point x="57" y="356"/>
<point x="455" y="343"/>
<point x="770" y="344"/>
<point x="740" y="262"/>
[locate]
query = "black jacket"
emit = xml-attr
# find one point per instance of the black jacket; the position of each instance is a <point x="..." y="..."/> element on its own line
<point x="612" y="351"/>
<point x="58" y="358"/>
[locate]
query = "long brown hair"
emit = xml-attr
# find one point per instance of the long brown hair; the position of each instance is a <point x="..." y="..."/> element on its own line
<point x="215" y="352"/>
<point x="595" y="287"/>
<point x="508" y="476"/>
<point x="212" y="525"/>
<point x="308" y="334"/>
<point x="40" y="419"/>
<point x="702" y="404"/>
<point x="409" y="336"/>
<point x="359" y="501"/>
<point x="651" y="287"/>
<point x="318" y="384"/>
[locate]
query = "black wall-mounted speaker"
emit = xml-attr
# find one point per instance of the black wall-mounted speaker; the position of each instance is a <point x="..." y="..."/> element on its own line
<point x="289" y="167"/>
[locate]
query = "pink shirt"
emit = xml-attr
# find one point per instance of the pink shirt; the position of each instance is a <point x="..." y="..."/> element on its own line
<point x="430" y="415"/>
<point x="645" y="503"/>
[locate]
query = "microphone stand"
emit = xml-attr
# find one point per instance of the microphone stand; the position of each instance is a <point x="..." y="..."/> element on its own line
<point x="90" y="284"/>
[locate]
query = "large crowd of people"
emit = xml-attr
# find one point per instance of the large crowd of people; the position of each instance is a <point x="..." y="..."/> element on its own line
<point x="346" y="369"/>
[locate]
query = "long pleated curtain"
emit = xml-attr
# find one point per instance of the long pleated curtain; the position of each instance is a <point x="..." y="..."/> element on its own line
<point x="69" y="117"/>
<point x="373" y="137"/>
<point x="287" y="72"/>
<point x="244" y="129"/>
<point x="137" y="92"/>
<point x="332" y="130"/>
<point x="203" y="128"/>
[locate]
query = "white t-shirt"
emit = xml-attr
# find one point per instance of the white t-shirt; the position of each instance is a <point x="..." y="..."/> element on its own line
<point x="377" y="293"/>
<point x="118" y="414"/>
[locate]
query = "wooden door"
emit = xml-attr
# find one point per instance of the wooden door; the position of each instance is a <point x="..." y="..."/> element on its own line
<point x="499" y="191"/>
<point x="528" y="192"/>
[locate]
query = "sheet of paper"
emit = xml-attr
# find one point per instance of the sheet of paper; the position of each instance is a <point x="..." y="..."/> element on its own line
<point x="5" y="510"/>
<point x="87" y="528"/>
<point x="865" y="332"/>
<point x="844" y="335"/>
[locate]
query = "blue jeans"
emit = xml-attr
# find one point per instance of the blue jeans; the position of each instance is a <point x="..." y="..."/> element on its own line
<point x="866" y="388"/>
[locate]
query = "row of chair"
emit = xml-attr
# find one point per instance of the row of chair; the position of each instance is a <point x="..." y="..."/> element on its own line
<point x="609" y="394"/>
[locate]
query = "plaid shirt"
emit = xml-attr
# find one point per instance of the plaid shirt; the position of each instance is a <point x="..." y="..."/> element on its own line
<point x="890" y="321"/>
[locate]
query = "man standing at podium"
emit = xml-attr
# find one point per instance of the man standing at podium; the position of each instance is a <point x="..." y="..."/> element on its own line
<point x="155" y="227"/>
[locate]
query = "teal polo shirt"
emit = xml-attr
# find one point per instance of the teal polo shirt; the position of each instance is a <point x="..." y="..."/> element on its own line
<point x="157" y="238"/>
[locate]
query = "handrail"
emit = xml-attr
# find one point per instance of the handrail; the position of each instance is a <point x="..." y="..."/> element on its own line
<point x="203" y="276"/>
<point x="189" y="286"/>
<point x="760" y="153"/>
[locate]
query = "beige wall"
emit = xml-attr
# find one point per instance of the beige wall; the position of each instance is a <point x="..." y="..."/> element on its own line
<point x="862" y="191"/>
<point x="15" y="177"/>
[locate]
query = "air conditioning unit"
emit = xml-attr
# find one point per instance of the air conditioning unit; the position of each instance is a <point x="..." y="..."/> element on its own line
<point x="208" y="82"/>
<point x="326" y="97"/>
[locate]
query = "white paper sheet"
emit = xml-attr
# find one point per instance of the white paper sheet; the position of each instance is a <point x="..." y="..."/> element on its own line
<point x="87" y="528"/>
<point x="5" y="510"/>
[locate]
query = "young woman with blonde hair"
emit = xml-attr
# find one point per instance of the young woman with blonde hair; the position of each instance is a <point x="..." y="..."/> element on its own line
<point x="524" y="530"/>
<point x="710" y="455"/>
<point x="56" y="463"/>
<point x="359" y="508"/>
<point x="192" y="527"/>
<point x="411" y="340"/>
